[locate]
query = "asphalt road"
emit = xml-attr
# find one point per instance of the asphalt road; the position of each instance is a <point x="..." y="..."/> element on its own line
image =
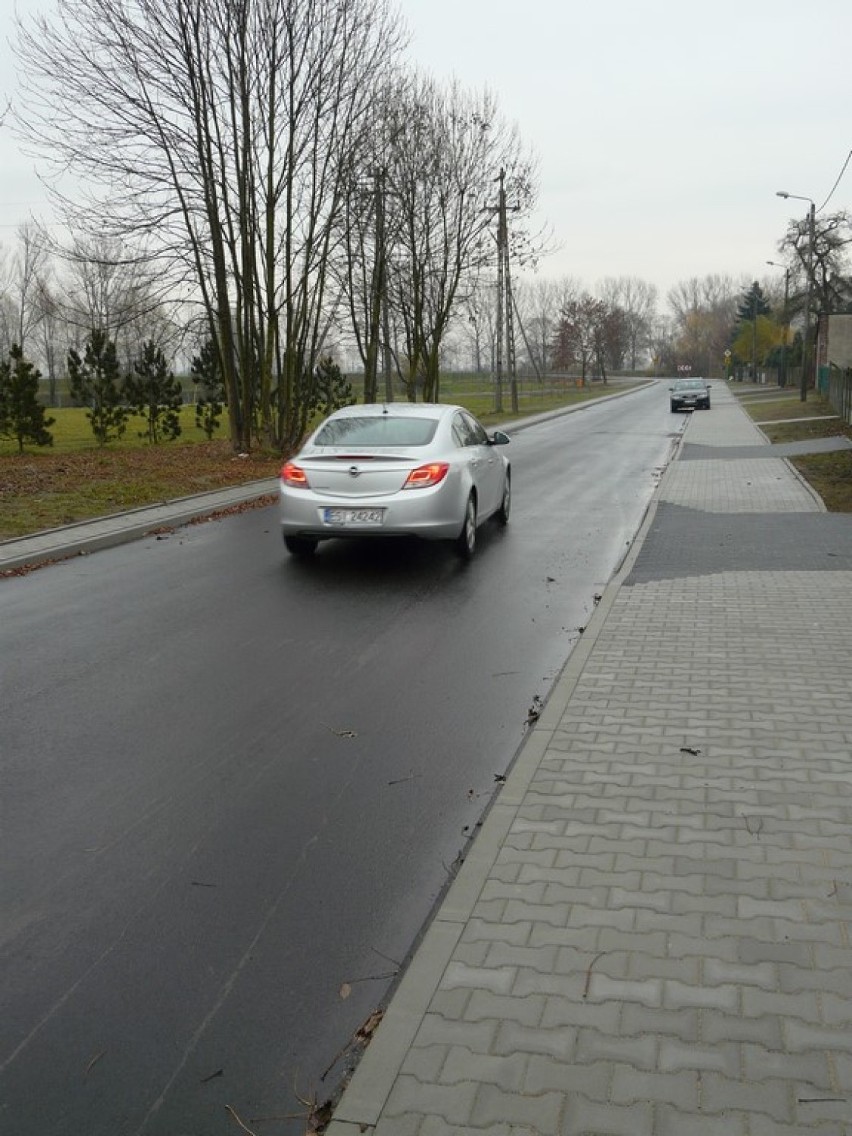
<point x="235" y="784"/>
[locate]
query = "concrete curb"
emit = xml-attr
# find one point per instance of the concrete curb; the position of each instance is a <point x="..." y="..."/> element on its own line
<point x="364" y="1098"/>
<point x="86" y="537"/>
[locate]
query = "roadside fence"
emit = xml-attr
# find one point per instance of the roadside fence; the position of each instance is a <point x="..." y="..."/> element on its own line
<point x="840" y="392"/>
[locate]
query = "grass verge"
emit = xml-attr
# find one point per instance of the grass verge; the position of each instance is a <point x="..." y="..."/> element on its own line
<point x="45" y="490"/>
<point x="786" y="418"/>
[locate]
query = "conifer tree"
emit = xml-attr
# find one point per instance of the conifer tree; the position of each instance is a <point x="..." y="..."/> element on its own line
<point x="94" y="383"/>
<point x="211" y="389"/>
<point x="21" y="414"/>
<point x="753" y="304"/>
<point x="154" y="392"/>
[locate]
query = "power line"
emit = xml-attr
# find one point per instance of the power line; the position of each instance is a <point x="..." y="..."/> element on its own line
<point x="837" y="183"/>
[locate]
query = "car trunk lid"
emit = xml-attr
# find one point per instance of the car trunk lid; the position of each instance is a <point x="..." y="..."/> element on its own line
<point x="359" y="475"/>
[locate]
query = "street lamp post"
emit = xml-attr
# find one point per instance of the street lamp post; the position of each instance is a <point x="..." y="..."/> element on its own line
<point x="806" y="353"/>
<point x="775" y="264"/>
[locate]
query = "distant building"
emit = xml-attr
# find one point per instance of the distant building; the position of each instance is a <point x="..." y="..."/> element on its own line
<point x="838" y="349"/>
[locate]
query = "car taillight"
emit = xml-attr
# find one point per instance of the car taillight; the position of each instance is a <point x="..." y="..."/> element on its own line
<point x="426" y="475"/>
<point x="294" y="476"/>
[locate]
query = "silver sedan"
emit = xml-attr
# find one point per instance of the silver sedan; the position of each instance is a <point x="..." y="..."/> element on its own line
<point x="395" y="469"/>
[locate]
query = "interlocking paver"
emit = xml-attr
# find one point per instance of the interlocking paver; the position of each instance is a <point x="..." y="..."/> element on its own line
<point x="410" y="1097"/>
<point x="507" y="1071"/>
<point x="725" y="997"/>
<point x="686" y="1025"/>
<point x="631" y="1085"/>
<point x="676" y="1122"/>
<point x="576" y="1011"/>
<point x="515" y="1037"/>
<point x="766" y="1126"/>
<point x="411" y="1125"/>
<point x="437" y="1030"/>
<point x="640" y="1051"/>
<point x="592" y="1080"/>
<point x="540" y="1112"/>
<point x="540" y="959"/>
<point x="721" y="1058"/>
<point x="717" y="1026"/>
<point x="526" y="1008"/>
<point x="663" y="943"/>
<point x="809" y="1070"/>
<point x="584" y="1117"/>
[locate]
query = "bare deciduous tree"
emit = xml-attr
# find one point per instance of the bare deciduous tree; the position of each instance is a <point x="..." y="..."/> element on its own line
<point x="108" y="289"/>
<point x="218" y="136"/>
<point x="21" y="270"/>
<point x="49" y="324"/>
<point x="637" y="299"/>
<point x="447" y="150"/>
<point x="704" y="311"/>
<point x="827" y="260"/>
<point x="580" y="334"/>
<point x="542" y="303"/>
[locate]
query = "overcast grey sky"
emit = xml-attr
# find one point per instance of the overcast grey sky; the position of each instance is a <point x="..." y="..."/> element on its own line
<point x="663" y="128"/>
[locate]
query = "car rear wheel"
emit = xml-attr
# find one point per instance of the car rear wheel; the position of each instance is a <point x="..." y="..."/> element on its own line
<point x="506" y="503"/>
<point x="300" y="545"/>
<point x="466" y="540"/>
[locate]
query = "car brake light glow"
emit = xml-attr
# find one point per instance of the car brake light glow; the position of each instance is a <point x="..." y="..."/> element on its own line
<point x="294" y="476"/>
<point x="426" y="475"/>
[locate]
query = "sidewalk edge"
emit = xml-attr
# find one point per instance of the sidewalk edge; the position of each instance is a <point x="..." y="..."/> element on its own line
<point x="365" y="1096"/>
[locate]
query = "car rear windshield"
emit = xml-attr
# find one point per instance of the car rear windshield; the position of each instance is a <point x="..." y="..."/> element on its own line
<point x="375" y="430"/>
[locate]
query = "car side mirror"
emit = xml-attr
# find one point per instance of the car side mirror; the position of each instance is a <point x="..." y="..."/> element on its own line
<point x="498" y="438"/>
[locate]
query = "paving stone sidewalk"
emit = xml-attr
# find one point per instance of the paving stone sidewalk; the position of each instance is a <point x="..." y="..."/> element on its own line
<point x="651" y="933"/>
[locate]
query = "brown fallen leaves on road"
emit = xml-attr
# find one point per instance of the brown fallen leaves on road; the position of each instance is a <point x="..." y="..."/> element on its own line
<point x="534" y="712"/>
<point x="362" y="1036"/>
<point x="234" y="510"/>
<point x="364" y="1033"/>
<point x="317" y="1117"/>
<point x="25" y="569"/>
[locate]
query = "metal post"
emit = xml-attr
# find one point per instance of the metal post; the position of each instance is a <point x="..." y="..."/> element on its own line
<point x="785" y="315"/>
<point x="811" y="246"/>
<point x="807" y="354"/>
<point x="785" y="361"/>
<point x="754" y="333"/>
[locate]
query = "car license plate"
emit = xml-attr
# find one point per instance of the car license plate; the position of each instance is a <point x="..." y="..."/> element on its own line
<point x="353" y="517"/>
